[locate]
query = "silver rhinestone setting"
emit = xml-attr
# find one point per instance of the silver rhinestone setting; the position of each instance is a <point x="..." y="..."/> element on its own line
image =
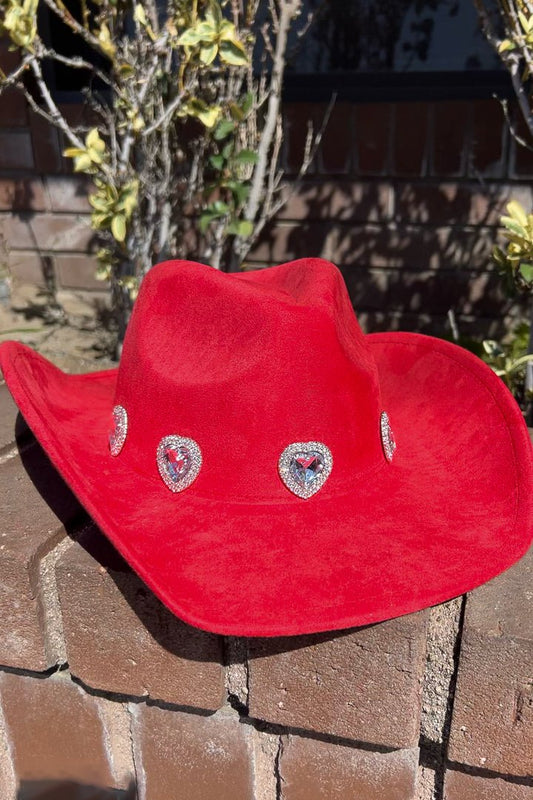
<point x="387" y="437"/>
<point x="118" y="436"/>
<point x="304" y="467"/>
<point x="179" y="460"/>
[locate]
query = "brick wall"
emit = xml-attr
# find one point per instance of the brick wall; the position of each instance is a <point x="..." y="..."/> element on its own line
<point x="405" y="197"/>
<point x="103" y="691"/>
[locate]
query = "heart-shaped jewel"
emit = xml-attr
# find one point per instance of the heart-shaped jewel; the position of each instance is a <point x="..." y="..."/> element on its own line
<point x="118" y="437"/>
<point x="387" y="437"/>
<point x="179" y="461"/>
<point x="304" y="467"/>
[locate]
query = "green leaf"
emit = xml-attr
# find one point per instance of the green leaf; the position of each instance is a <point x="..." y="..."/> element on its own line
<point x="83" y="163"/>
<point x="240" y="191"/>
<point x="223" y="129"/>
<point x="492" y="348"/>
<point x="526" y="271"/>
<point x="525" y="23"/>
<point x="241" y="227"/>
<point x="139" y="15"/>
<point x="206" y="219"/>
<point x="103" y="272"/>
<point x="233" y="53"/>
<point x="246" y="157"/>
<point x="214" y="15"/>
<point x="98" y="202"/>
<point x="499" y="256"/>
<point x="506" y="45"/>
<point x="210" y="116"/>
<point x="247" y="102"/>
<point x="514" y="227"/>
<point x="118" y="227"/>
<point x="220" y="207"/>
<point x="236" y="112"/>
<point x="217" y="161"/>
<point x="516" y="212"/>
<point x="190" y="38"/>
<point x="94" y="142"/>
<point x="73" y="152"/>
<point x="208" y="54"/>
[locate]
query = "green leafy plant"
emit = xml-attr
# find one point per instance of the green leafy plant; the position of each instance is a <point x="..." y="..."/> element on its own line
<point x="516" y="260"/>
<point x="183" y="133"/>
<point x="509" y="360"/>
<point x="512" y="359"/>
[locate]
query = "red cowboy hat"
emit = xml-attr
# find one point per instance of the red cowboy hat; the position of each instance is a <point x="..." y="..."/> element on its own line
<point x="251" y="477"/>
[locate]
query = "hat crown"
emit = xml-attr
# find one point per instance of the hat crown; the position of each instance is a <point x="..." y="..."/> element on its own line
<point x="246" y="364"/>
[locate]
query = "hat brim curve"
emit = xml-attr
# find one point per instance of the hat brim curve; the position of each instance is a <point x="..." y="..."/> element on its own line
<point x="452" y="510"/>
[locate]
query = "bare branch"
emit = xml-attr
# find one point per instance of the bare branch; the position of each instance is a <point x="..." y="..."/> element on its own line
<point x="55" y="115"/>
<point x="14" y="77"/>
<point x="65" y="16"/>
<point x="165" y="117"/>
<point x="287" y="10"/>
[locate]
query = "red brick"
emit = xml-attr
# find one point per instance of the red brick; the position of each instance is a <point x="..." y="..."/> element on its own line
<point x="296" y="118"/>
<point x="336" y="150"/>
<point x="14" y="109"/>
<point x="462" y="786"/>
<point x="54" y="730"/>
<point x="68" y="193"/>
<point x="372" y="134"/>
<point x="9" y="59"/>
<point x="410" y="138"/>
<point x="521" y="157"/>
<point x="77" y="272"/>
<point x="46" y="145"/>
<point x="208" y="758"/>
<point x="315" y="770"/>
<point x="339" y="200"/>
<point x="412" y="248"/>
<point x="121" y="638"/>
<point x="70" y="790"/>
<point x="8" y="415"/>
<point x="456" y="203"/>
<point x="22" y="194"/>
<point x="450" y="125"/>
<point x="26" y="267"/>
<point x="492" y="724"/>
<point x="443" y="289"/>
<point x="488" y="138"/>
<point x="16" y="231"/>
<point x="368" y="288"/>
<point x="30" y="528"/>
<point x="15" y="150"/>
<point x="62" y="232"/>
<point x="283" y="242"/>
<point x="334" y="684"/>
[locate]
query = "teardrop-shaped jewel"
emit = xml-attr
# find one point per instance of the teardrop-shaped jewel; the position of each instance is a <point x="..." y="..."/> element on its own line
<point x="179" y="460"/>
<point x="118" y="436"/>
<point x="387" y="437"/>
<point x="304" y="467"/>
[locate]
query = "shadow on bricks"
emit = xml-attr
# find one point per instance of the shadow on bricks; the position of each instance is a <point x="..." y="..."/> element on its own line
<point x="47" y="480"/>
<point x="170" y="633"/>
<point x="70" y="790"/>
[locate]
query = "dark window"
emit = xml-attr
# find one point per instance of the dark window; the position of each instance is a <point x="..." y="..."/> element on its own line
<point x="386" y="49"/>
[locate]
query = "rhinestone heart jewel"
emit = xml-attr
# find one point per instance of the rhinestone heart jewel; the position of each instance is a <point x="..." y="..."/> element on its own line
<point x="304" y="467"/>
<point x="179" y="461"/>
<point x="118" y="437"/>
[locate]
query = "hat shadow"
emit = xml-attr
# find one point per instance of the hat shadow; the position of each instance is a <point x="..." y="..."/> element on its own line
<point x="72" y="790"/>
<point x="170" y="632"/>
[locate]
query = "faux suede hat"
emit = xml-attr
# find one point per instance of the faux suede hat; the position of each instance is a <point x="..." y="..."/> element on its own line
<point x="268" y="470"/>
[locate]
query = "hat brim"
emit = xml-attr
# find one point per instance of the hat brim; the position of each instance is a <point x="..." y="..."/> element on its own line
<point x="451" y="511"/>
